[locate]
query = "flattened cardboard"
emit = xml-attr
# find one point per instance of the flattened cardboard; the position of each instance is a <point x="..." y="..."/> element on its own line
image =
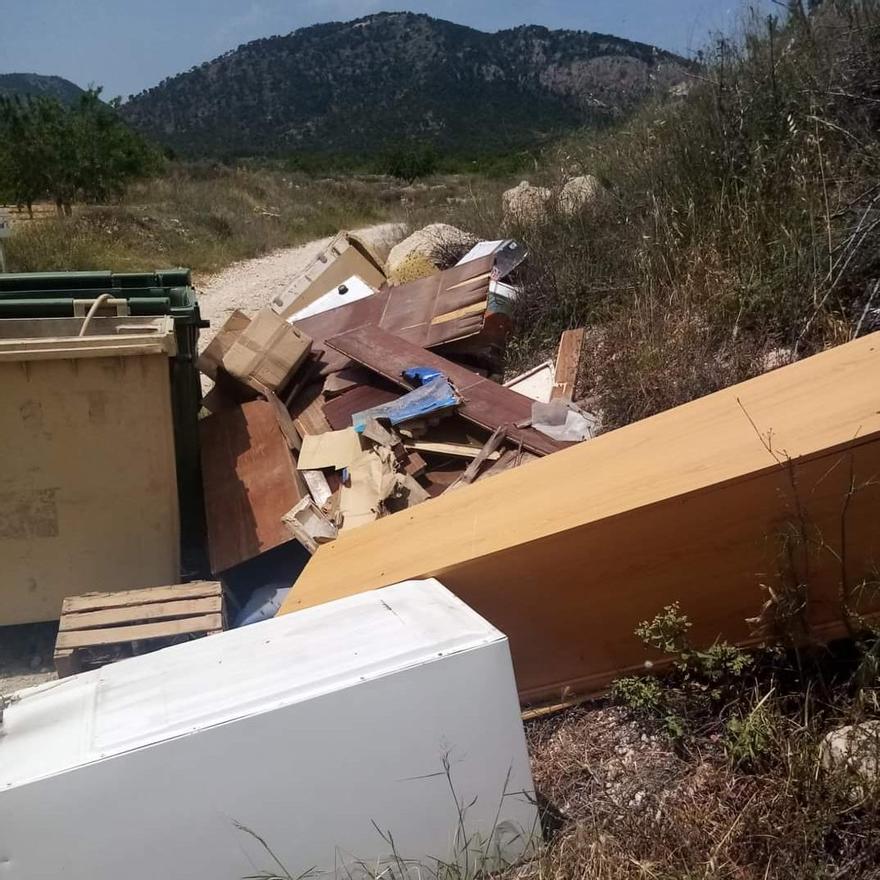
<point x="332" y="449"/>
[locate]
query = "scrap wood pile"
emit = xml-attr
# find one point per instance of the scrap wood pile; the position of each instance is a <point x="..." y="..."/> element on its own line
<point x="349" y="399"/>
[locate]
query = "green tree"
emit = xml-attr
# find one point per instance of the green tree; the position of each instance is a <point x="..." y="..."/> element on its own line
<point x="409" y="162"/>
<point x="67" y="153"/>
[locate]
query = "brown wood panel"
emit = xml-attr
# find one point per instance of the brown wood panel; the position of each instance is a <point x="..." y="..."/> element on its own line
<point x="486" y="403"/>
<point x="339" y="410"/>
<point x="136" y="613"/>
<point x="97" y="601"/>
<point x="409" y="309"/>
<point x="250" y="482"/>
<point x="120" y="634"/>
<point x="567" y="555"/>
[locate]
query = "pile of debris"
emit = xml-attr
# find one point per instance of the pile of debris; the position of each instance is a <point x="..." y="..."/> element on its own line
<point x="349" y="398"/>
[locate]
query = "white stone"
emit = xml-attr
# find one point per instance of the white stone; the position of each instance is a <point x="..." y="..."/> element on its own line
<point x="525" y="203"/>
<point x="580" y="193"/>
<point x="434" y="242"/>
<point x="856" y="748"/>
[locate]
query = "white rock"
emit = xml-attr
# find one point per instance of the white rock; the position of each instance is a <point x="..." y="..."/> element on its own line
<point x="856" y="748"/>
<point x="525" y="203"/>
<point x="433" y="242"/>
<point x="776" y="357"/>
<point x="579" y="193"/>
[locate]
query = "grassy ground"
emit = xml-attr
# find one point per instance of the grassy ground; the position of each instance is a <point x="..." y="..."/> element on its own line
<point x="206" y="217"/>
<point x="202" y="218"/>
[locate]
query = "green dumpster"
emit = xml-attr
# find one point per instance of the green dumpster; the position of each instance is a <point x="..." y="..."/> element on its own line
<point x="167" y="292"/>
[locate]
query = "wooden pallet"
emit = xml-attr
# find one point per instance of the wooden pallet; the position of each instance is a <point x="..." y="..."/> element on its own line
<point x="100" y="628"/>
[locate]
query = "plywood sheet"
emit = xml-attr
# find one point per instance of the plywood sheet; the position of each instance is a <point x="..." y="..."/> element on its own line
<point x="486" y="403"/>
<point x="250" y="483"/>
<point x="339" y="410"/>
<point x="568" y="554"/>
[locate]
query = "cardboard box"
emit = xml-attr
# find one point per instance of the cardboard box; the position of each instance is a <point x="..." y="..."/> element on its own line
<point x="211" y="359"/>
<point x="316" y="731"/>
<point x="267" y="352"/>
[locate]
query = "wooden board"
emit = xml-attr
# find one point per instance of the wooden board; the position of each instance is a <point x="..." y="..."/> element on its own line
<point x="250" y="483"/>
<point x="486" y="403"/>
<point x="568" y="360"/>
<point x="88" y="482"/>
<point x="97" y="601"/>
<point x="114" y="636"/>
<point x="151" y="611"/>
<point x="567" y="555"/>
<point x="339" y="410"/>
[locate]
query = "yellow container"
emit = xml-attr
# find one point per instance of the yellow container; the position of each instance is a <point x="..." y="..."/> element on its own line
<point x="88" y="489"/>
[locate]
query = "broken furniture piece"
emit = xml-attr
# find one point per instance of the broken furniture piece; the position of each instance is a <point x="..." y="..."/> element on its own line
<point x="100" y="628"/>
<point x="380" y="714"/>
<point x="346" y="256"/>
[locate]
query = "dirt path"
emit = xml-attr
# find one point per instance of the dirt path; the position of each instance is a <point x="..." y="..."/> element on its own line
<point x="251" y="284"/>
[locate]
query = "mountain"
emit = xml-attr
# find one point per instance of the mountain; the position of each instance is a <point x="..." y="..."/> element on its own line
<point x="36" y="85"/>
<point x="360" y="86"/>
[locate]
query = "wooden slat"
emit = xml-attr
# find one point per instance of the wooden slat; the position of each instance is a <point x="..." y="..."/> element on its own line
<point x="568" y="361"/>
<point x="307" y="411"/>
<point x="137" y="613"/>
<point x="120" y="634"/>
<point x="97" y="601"/>
<point x="486" y="403"/>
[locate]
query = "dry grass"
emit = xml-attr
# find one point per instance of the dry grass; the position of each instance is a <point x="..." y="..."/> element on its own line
<point x="628" y="803"/>
<point x="206" y="217"/>
<point x="202" y="218"/>
<point x="738" y="220"/>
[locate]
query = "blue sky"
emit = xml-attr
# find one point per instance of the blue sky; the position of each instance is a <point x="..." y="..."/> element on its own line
<point x="128" y="46"/>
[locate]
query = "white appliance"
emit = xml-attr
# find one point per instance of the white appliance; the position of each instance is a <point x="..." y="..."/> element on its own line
<point x="378" y="728"/>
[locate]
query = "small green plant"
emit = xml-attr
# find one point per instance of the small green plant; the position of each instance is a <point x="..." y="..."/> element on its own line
<point x="700" y="683"/>
<point x="749" y="738"/>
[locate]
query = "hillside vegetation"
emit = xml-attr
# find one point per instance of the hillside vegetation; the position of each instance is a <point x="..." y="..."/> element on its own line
<point x="740" y="226"/>
<point x="365" y="85"/>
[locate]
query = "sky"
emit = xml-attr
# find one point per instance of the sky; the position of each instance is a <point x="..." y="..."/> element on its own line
<point x="130" y="45"/>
